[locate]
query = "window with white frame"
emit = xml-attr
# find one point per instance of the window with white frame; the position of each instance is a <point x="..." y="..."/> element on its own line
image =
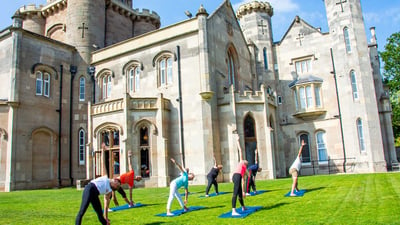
<point x="134" y="79"/>
<point x="165" y="71"/>
<point x="321" y="146"/>
<point x="106" y="85"/>
<point x="354" y="87"/>
<point x="81" y="147"/>
<point x="347" y="39"/>
<point x="309" y="96"/>
<point x="43" y="83"/>
<point x="361" y="140"/>
<point x="82" y="83"/>
<point x="303" y="66"/>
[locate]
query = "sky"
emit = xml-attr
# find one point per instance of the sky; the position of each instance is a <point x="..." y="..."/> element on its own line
<point x="384" y="15"/>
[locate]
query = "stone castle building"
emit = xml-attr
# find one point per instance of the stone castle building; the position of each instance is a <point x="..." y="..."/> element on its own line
<point x="73" y="80"/>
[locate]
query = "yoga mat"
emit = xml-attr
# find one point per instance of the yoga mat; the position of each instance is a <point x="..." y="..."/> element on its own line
<point x="299" y="193"/>
<point x="126" y="206"/>
<point x="213" y="194"/>
<point x="179" y="212"/>
<point x="250" y="210"/>
<point x="257" y="193"/>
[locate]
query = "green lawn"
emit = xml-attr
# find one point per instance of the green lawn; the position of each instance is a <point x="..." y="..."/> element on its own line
<point x="331" y="199"/>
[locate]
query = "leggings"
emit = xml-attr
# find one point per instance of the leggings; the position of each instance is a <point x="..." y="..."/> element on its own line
<point x="90" y="195"/>
<point x="237" y="190"/>
<point x="251" y="183"/>
<point x="212" y="180"/>
<point x="173" y="192"/>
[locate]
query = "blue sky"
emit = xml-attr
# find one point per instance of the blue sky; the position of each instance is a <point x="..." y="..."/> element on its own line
<point x="384" y="15"/>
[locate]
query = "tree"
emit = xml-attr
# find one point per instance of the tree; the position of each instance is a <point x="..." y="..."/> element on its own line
<point x="391" y="58"/>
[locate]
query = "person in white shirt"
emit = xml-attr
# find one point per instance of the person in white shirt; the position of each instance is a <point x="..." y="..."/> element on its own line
<point x="294" y="170"/>
<point x="99" y="186"/>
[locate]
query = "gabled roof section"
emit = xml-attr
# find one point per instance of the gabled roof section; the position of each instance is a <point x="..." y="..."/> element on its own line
<point x="298" y="21"/>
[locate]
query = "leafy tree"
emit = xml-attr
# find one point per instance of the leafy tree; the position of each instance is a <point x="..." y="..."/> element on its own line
<point x="391" y="58"/>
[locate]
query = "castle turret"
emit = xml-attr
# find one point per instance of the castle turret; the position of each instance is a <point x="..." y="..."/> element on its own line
<point x="33" y="19"/>
<point x="85" y="26"/>
<point x="255" y="21"/>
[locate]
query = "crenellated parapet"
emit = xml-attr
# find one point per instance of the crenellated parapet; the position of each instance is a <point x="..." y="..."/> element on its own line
<point x="250" y="97"/>
<point x="254" y="6"/>
<point x="108" y="107"/>
<point x="30" y="11"/>
<point x="135" y="14"/>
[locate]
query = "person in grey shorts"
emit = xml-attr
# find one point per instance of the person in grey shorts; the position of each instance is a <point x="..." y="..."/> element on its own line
<point x="294" y="170"/>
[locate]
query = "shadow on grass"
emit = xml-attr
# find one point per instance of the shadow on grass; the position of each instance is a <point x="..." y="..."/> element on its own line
<point x="314" y="189"/>
<point x="154" y="223"/>
<point x="273" y="206"/>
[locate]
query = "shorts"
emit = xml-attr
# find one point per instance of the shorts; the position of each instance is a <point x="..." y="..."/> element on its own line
<point x="294" y="172"/>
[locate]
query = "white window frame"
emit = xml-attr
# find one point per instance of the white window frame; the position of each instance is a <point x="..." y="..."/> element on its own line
<point x="360" y="132"/>
<point x="81" y="147"/>
<point x="165" y="71"/>
<point x="354" y="87"/>
<point x="303" y="66"/>
<point x="347" y="39"/>
<point x="39" y="83"/>
<point x="82" y="83"/>
<point x="320" y="138"/>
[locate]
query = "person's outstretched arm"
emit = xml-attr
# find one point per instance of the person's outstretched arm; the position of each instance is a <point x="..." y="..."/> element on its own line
<point x="215" y="162"/>
<point x="178" y="165"/>
<point x="130" y="160"/>
<point x="256" y="156"/>
<point x="103" y="161"/>
<point x="301" y="147"/>
<point x="106" y="204"/>
<point x="239" y="148"/>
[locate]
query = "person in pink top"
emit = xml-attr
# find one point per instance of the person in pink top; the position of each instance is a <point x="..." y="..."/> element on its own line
<point x="238" y="182"/>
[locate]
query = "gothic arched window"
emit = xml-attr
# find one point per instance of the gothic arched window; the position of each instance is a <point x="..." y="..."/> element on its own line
<point x="347" y="39"/>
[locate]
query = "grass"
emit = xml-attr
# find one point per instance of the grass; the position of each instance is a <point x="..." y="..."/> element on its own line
<point x="331" y="199"/>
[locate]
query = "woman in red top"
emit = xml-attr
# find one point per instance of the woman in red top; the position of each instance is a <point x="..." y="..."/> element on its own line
<point x="127" y="178"/>
<point x="238" y="183"/>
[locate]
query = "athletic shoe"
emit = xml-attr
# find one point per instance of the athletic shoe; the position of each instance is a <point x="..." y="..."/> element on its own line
<point x="170" y="214"/>
<point x="248" y="194"/>
<point x="235" y="214"/>
<point x="206" y="195"/>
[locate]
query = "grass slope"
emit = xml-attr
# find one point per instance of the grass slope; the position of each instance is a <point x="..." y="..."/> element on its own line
<point x="333" y="199"/>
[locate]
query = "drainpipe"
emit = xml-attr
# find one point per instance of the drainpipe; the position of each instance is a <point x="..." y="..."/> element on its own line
<point x="91" y="71"/>
<point x="72" y="70"/>
<point x="340" y="114"/>
<point x="178" y="56"/>
<point x="59" y="125"/>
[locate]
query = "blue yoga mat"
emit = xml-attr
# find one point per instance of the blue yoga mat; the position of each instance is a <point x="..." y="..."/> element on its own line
<point x="179" y="212"/>
<point x="213" y="194"/>
<point x="126" y="206"/>
<point x="299" y="193"/>
<point x="257" y="193"/>
<point x="250" y="210"/>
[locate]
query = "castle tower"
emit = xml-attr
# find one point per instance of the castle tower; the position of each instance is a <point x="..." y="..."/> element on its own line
<point x="85" y="26"/>
<point x="355" y="83"/>
<point x="255" y="21"/>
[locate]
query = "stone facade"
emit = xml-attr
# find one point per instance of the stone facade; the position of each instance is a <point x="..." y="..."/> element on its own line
<point x="186" y="91"/>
